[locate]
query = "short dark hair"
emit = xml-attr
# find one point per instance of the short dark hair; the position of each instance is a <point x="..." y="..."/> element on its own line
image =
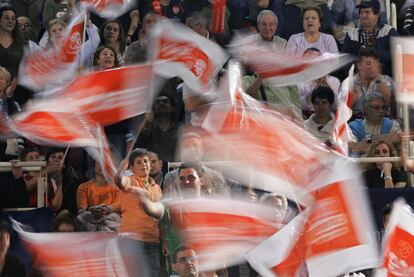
<point x="24" y="152"/>
<point x="316" y="9"/>
<point x="323" y="92"/>
<point x="311" y="49"/>
<point x="366" y="52"/>
<point x="137" y="152"/>
<point x="180" y="248"/>
<point x="53" y="151"/>
<point x="65" y="217"/>
<point x="194" y="165"/>
<point x="386" y="211"/>
<point x="98" y="52"/>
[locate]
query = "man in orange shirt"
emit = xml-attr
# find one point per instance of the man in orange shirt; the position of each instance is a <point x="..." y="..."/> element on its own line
<point x="140" y="227"/>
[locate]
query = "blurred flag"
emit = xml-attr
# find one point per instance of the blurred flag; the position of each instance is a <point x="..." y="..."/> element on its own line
<point x="218" y="16"/>
<point x="176" y="50"/>
<point x="108" y="8"/>
<point x="341" y="132"/>
<point x="86" y="254"/>
<point x="280" y="69"/>
<point x="56" y="64"/>
<point x="403" y="66"/>
<point x="332" y="236"/>
<point x="398" y="243"/>
<point x="220" y="231"/>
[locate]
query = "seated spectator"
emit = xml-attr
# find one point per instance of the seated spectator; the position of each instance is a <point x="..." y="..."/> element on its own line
<point x="156" y="168"/>
<point x="278" y="202"/>
<point x="267" y="24"/>
<point x="257" y="6"/>
<point x="191" y="149"/>
<point x="160" y="131"/>
<point x="99" y="203"/>
<point x="185" y="261"/>
<point x="25" y="33"/>
<point x="370" y="79"/>
<point x="321" y="123"/>
<point x="371" y="34"/>
<point x="9" y="264"/>
<point x="306" y="88"/>
<point x="374" y="126"/>
<point x="65" y="222"/>
<point x="30" y="178"/>
<point x="311" y="37"/>
<point x="112" y="34"/>
<point x="198" y="23"/>
<point x="384" y="174"/>
<point x="293" y="12"/>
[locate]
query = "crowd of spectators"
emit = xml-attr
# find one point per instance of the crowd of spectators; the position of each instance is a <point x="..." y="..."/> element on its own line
<point x="76" y="186"/>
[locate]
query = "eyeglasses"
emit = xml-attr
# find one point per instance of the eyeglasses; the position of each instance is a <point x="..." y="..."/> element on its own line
<point x="378" y="108"/>
<point x="189" y="178"/>
<point x="184" y="260"/>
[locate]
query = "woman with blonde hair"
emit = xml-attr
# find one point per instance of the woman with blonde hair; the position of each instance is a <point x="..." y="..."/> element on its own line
<point x="384" y="174"/>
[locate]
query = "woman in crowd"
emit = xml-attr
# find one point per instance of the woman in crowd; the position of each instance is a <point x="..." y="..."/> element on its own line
<point x="311" y="37"/>
<point x="112" y="34"/>
<point x="11" y="48"/>
<point x="384" y="174"/>
<point x="119" y="135"/>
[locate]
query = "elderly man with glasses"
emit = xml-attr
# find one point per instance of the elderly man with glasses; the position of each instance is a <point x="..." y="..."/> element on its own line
<point x="375" y="125"/>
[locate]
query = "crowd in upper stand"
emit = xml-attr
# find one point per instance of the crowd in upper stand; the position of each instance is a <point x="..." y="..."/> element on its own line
<point x="307" y="28"/>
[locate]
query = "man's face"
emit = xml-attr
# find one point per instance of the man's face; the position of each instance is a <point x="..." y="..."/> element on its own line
<point x="149" y="21"/>
<point x="322" y="106"/>
<point x="375" y="111"/>
<point x="190" y="182"/>
<point x="141" y="166"/>
<point x="23" y="23"/>
<point x="162" y="104"/>
<point x="267" y="27"/>
<point x="369" y="68"/>
<point x="367" y="17"/>
<point x="187" y="263"/>
<point x="156" y="164"/>
<point x="191" y="149"/>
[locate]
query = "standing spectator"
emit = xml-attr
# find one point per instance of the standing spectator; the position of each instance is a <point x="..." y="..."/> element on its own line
<point x="112" y="34"/>
<point x="144" y="229"/>
<point x="371" y="34"/>
<point x="156" y="168"/>
<point x="11" y="47"/>
<point x="312" y="36"/>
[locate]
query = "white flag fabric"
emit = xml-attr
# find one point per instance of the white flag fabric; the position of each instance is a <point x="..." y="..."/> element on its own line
<point x="398" y="243"/>
<point x="177" y="50"/>
<point x="403" y="67"/>
<point x="108" y="8"/>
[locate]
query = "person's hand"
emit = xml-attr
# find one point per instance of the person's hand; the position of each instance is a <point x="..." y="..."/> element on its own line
<point x="165" y="250"/>
<point x="149" y="117"/>
<point x="140" y="192"/>
<point x="263" y="4"/>
<point x="16" y="170"/>
<point x="386" y="167"/>
<point x="11" y="88"/>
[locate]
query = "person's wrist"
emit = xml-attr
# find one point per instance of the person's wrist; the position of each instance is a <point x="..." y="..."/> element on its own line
<point x="387" y="177"/>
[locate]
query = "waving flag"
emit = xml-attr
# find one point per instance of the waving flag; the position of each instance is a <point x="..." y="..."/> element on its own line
<point x="262" y="144"/>
<point x="342" y="134"/>
<point x="87" y="254"/>
<point x="398" y="243"/>
<point x="221" y="231"/>
<point x="108" y="8"/>
<point x="331" y="236"/>
<point x="403" y="65"/>
<point x="176" y="50"/>
<point x="281" y="69"/>
<point x="56" y="64"/>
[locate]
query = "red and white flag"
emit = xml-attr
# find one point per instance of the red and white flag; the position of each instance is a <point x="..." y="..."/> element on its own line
<point x="403" y="66"/>
<point x="262" y="145"/>
<point x="281" y="69"/>
<point x="108" y="8"/>
<point x="218" y="16"/>
<point x="341" y="132"/>
<point x="332" y="237"/>
<point x="398" y="243"/>
<point x="88" y="254"/>
<point x="57" y="64"/>
<point x="221" y="230"/>
<point x="176" y="50"/>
